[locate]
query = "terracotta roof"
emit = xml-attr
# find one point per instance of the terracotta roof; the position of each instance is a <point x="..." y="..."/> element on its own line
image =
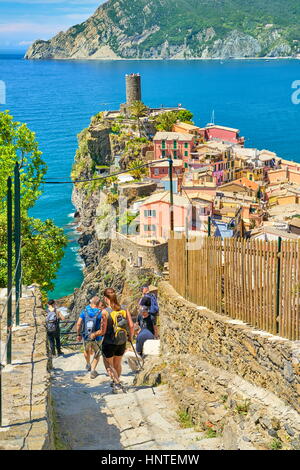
<point x="165" y="197"/>
<point x="199" y="195"/>
<point x="172" y="136"/>
<point x="273" y="231"/>
<point x="286" y="210"/>
<point x="187" y="126"/>
<point x="214" y="126"/>
<point x="295" y="222"/>
<point x="248" y="183"/>
<point x="164" y="164"/>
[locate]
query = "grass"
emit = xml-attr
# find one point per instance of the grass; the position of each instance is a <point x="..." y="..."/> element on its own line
<point x="210" y="433"/>
<point x="243" y="408"/>
<point x="276" y="444"/>
<point x="185" y="419"/>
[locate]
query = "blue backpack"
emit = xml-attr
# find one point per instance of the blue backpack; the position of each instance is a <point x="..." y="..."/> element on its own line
<point x="154" y="309"/>
<point x="89" y="326"/>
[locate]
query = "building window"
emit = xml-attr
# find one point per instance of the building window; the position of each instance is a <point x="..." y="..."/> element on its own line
<point x="150" y="228"/>
<point x="163" y="153"/>
<point x="156" y="171"/>
<point x="186" y="146"/>
<point x="163" y="144"/>
<point x="175" y="154"/>
<point x="150" y="213"/>
<point x="186" y="154"/>
<point x="175" y="144"/>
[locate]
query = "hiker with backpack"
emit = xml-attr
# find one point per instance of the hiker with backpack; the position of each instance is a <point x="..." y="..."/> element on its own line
<point x="52" y="326"/>
<point x="120" y="327"/>
<point x="91" y="327"/>
<point x="149" y="300"/>
<point x="147" y="329"/>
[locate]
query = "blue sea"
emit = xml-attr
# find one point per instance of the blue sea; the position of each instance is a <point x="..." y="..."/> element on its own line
<point x="57" y="98"/>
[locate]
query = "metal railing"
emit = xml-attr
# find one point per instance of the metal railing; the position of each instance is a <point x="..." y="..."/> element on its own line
<point x="13" y="241"/>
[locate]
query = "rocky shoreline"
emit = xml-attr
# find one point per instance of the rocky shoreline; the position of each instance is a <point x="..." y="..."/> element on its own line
<point x="109" y="33"/>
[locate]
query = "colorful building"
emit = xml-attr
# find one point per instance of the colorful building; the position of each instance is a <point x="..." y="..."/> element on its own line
<point x="284" y="175"/>
<point x="223" y="134"/>
<point x="173" y="145"/>
<point x="161" y="169"/>
<point x="155" y="215"/>
<point x="185" y="128"/>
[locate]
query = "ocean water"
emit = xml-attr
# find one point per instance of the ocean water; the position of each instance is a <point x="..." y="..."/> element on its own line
<point x="57" y="98"/>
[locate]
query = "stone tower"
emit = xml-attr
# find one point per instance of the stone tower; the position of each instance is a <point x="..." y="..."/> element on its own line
<point x="133" y="88"/>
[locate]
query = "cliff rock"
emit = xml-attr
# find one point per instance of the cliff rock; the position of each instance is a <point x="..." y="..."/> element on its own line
<point x="164" y="29"/>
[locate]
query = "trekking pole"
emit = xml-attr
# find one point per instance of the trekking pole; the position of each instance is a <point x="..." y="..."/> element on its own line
<point x="141" y="366"/>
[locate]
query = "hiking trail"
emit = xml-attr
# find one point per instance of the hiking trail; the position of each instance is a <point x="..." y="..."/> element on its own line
<point x="90" y="417"/>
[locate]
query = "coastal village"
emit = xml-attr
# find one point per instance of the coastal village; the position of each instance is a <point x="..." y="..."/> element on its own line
<point x="219" y="185"/>
<point x="225" y="378"/>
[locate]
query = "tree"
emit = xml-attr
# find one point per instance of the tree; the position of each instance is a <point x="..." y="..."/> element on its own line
<point x="137" y="110"/>
<point x="184" y="115"/>
<point x="137" y="172"/>
<point x="166" y="121"/>
<point x="42" y="242"/>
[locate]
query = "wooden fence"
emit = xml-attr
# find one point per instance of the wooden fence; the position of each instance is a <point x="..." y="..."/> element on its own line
<point x="251" y="280"/>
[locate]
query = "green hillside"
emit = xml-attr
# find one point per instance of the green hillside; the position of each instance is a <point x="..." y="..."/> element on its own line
<point x="192" y="28"/>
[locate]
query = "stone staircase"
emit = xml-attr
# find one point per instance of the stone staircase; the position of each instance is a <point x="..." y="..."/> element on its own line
<point x="91" y="417"/>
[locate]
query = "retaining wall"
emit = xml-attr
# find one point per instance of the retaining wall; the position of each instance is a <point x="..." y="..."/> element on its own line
<point x="26" y="399"/>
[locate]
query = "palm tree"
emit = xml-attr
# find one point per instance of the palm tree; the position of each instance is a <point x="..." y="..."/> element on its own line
<point x="137" y="110"/>
<point x="137" y="172"/>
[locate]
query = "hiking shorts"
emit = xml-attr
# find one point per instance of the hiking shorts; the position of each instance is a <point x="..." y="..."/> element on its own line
<point x="111" y="350"/>
<point x="92" y="347"/>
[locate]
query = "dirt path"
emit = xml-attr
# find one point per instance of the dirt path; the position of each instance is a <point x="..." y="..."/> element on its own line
<point x="91" y="417"/>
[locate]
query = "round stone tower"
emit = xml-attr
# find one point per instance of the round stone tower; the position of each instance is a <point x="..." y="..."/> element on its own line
<point x="133" y="88"/>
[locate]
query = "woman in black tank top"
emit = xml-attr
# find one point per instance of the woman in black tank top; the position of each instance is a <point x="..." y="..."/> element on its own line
<point x="113" y="353"/>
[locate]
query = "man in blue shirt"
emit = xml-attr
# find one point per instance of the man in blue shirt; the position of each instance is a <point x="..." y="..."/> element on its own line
<point x="91" y="327"/>
<point x="147" y="328"/>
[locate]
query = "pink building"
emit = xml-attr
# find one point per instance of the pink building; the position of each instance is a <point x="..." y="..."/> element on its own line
<point x="155" y="215"/>
<point x="173" y="145"/>
<point x="222" y="133"/>
<point x="161" y="170"/>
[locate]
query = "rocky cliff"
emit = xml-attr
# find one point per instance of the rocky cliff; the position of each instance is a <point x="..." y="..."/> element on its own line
<point x="164" y="29"/>
<point x="97" y="204"/>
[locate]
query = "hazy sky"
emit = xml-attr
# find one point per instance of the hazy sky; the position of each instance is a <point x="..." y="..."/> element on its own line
<point x="24" y="21"/>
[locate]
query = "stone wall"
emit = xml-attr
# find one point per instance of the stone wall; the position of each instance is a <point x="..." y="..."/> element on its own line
<point x="151" y="257"/>
<point x="243" y="382"/>
<point x="99" y="145"/>
<point x="26" y="399"/>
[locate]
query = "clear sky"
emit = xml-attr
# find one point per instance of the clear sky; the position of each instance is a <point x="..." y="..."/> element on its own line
<point x="24" y="21"/>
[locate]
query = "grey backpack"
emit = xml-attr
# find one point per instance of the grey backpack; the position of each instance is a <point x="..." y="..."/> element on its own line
<point x="51" y="321"/>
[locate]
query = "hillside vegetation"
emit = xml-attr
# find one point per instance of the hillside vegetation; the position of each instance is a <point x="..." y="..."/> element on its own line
<point x="180" y="29"/>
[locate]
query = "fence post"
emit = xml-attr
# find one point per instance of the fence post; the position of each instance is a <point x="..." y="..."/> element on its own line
<point x="186" y="278"/>
<point x="0" y="394"/>
<point x="9" y="268"/>
<point x="278" y="284"/>
<point x="209" y="226"/>
<point x="17" y="219"/>
<point x="171" y="196"/>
